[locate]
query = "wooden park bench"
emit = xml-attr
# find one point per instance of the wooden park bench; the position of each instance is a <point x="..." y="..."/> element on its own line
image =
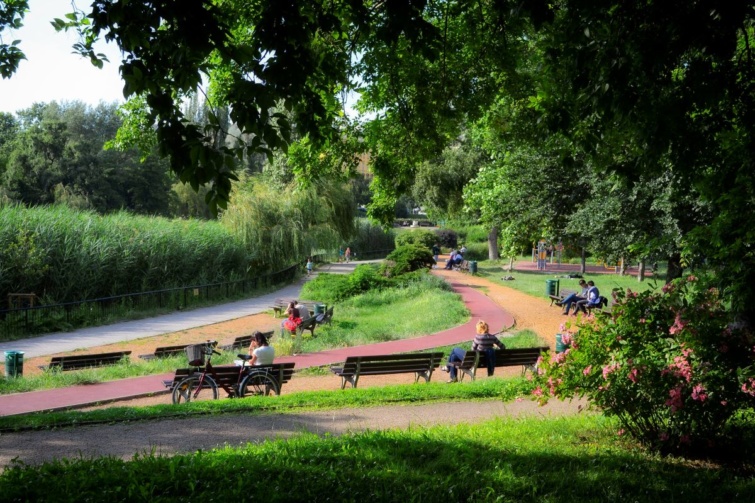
<point x="280" y="305"/>
<point x="244" y="341"/>
<point x="75" y="362"/>
<point x="420" y="364"/>
<point x="165" y="351"/>
<point x="526" y="357"/>
<point x="229" y="375"/>
<point x="463" y="266"/>
<point x="557" y="300"/>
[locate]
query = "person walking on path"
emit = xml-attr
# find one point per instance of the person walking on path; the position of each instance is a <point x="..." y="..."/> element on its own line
<point x="347" y="254"/>
<point x="436" y="253"/>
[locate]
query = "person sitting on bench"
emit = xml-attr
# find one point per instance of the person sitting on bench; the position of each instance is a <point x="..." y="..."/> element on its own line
<point x="592" y="300"/>
<point x="261" y="352"/>
<point x="484" y="341"/>
<point x="571" y="299"/>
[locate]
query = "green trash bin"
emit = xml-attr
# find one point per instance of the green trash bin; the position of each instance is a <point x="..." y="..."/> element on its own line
<point x="560" y="346"/>
<point x="14" y="363"/>
<point x="551" y="286"/>
<point x="319" y="309"/>
<point x="473" y="266"/>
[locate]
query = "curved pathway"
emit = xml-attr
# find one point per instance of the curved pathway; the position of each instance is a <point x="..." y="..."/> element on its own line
<point x="480" y="307"/>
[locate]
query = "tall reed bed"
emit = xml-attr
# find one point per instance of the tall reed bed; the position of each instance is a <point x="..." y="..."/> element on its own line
<point x="67" y="255"/>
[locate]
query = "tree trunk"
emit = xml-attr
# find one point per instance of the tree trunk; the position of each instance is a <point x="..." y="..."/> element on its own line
<point x="583" y="264"/>
<point x="511" y="264"/>
<point x="675" y="268"/>
<point x="623" y="267"/>
<point x="493" y="244"/>
<point x="641" y="271"/>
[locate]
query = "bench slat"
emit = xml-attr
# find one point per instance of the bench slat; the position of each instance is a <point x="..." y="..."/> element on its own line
<point x="421" y="364"/>
<point x="526" y="357"/>
<point x="75" y="362"/>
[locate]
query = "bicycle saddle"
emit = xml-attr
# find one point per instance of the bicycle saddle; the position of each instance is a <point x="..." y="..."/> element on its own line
<point x="246" y="358"/>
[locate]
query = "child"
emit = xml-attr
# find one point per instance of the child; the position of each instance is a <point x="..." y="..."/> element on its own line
<point x="310" y="266"/>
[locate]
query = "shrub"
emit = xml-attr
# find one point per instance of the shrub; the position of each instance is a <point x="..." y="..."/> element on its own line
<point x="406" y="259"/>
<point x="447" y="237"/>
<point x="476" y="251"/>
<point x="420" y="238"/>
<point x="370" y="237"/>
<point x="332" y="288"/>
<point x="668" y="364"/>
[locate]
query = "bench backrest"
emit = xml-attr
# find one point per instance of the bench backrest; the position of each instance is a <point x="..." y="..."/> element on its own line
<point x="391" y="364"/>
<point x="73" y="362"/>
<point x="514" y="357"/>
<point x="245" y="341"/>
<point x="170" y="350"/>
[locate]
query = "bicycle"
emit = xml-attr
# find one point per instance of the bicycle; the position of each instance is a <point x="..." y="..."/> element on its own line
<point x="204" y="381"/>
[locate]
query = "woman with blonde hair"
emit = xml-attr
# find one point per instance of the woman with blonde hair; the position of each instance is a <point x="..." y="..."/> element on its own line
<point x="483" y="341"/>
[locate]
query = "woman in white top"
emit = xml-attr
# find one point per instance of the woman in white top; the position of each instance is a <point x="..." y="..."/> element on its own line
<point x="261" y="352"/>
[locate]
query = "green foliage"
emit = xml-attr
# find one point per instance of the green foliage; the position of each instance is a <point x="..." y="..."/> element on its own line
<point x="369" y="237"/>
<point x="56" y="155"/>
<point x="406" y="259"/>
<point x="283" y="227"/>
<point x="666" y="364"/>
<point x="446" y="237"/>
<point x="66" y="255"/>
<point x="416" y="237"/>
<point x="476" y="251"/>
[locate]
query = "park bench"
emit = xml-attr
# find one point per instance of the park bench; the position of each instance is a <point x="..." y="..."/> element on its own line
<point x="463" y="266"/>
<point x="165" y="351"/>
<point x="75" y="362"/>
<point x="526" y="357"/>
<point x="420" y="364"/>
<point x="557" y="300"/>
<point x="324" y="318"/>
<point x="280" y="305"/>
<point x="229" y="375"/>
<point x="245" y="341"/>
<point x="308" y="324"/>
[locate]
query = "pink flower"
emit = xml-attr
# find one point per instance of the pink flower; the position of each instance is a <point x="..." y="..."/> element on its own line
<point x="697" y="393"/>
<point x="668" y="287"/>
<point x="566" y="338"/>
<point x="620" y="432"/>
<point x="691" y="278"/>
<point x="587" y="370"/>
<point x="632" y="375"/>
<point x="608" y="369"/>
<point x="678" y="325"/>
<point x="675" y="402"/>
<point x="537" y="391"/>
<point x="642" y="320"/>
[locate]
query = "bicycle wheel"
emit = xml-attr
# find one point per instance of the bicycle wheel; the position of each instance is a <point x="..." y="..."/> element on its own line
<point x="258" y="383"/>
<point x="186" y="390"/>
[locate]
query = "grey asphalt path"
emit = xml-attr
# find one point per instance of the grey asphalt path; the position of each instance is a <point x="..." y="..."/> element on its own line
<point x="183" y="320"/>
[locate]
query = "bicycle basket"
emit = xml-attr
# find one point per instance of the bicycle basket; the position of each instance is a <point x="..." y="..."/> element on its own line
<point x="196" y="354"/>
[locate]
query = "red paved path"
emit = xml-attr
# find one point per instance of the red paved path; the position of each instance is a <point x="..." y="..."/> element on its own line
<point x="480" y="307"/>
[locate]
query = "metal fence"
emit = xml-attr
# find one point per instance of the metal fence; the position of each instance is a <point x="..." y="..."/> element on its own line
<point x="20" y="322"/>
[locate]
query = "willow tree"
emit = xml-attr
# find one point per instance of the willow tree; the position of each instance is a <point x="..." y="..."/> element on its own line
<point x="280" y="228"/>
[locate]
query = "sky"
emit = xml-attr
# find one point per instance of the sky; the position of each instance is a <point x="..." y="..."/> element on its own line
<point x="51" y="71"/>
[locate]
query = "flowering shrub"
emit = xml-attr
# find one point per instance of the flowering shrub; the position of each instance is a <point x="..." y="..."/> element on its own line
<point x="668" y="364"/>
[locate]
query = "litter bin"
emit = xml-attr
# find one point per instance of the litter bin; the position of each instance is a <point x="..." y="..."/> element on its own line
<point x="560" y="346"/>
<point x="319" y="309"/>
<point x="551" y="286"/>
<point x="14" y="363"/>
<point x="473" y="266"/>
